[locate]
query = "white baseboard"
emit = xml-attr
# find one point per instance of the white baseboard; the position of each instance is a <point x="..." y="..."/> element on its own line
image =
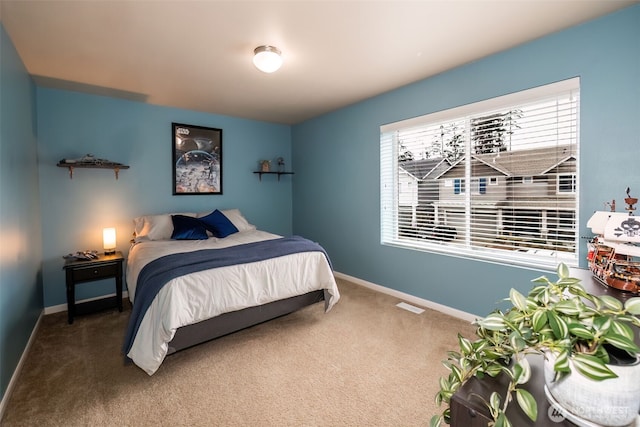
<point x="16" y="372"/>
<point x="410" y="298"/>
<point x="63" y="307"/>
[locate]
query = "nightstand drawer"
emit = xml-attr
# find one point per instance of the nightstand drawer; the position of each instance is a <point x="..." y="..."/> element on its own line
<point x="95" y="272"/>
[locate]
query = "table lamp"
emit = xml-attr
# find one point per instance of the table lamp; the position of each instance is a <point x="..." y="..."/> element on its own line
<point x="109" y="240"/>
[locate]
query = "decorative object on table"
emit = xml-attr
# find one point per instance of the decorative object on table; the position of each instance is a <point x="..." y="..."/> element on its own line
<point x="265" y="166"/>
<point x="87" y="255"/>
<point x="585" y="335"/>
<point x="613" y="254"/>
<point x="612" y="205"/>
<point x="109" y="240"/>
<point x="197" y="159"/>
<point x="90" y="161"/>
<point x="630" y="201"/>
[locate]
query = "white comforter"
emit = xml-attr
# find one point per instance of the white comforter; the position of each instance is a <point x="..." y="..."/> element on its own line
<point x="205" y="294"/>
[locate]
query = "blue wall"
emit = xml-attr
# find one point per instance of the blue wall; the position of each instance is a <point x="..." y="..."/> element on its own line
<point x="337" y="189"/>
<point x="76" y="210"/>
<point x="20" y="242"/>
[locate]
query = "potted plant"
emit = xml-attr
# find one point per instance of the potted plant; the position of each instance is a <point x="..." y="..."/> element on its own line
<point x="578" y="334"/>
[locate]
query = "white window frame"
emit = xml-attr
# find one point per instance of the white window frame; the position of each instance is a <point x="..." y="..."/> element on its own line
<point x="476" y="185"/>
<point x="538" y="259"/>
<point x="574" y="183"/>
<point x="460" y="186"/>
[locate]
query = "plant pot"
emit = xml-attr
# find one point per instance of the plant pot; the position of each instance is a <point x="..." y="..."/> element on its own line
<point x="613" y="402"/>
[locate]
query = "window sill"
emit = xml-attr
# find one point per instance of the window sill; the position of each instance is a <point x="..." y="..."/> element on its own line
<point x="508" y="258"/>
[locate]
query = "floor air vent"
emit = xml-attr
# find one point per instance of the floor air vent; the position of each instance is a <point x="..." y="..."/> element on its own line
<point x="409" y="307"/>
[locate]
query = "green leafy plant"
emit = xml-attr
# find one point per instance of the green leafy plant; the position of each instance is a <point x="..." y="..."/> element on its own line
<point x="559" y="317"/>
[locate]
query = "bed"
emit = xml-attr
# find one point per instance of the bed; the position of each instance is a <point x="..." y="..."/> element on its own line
<point x="195" y="277"/>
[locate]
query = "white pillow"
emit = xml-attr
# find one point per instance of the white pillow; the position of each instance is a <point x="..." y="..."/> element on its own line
<point x="155" y="227"/>
<point x="236" y="217"/>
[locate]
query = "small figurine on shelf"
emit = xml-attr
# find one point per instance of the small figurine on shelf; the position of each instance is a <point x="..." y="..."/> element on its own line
<point x="265" y="165"/>
<point x="280" y="164"/>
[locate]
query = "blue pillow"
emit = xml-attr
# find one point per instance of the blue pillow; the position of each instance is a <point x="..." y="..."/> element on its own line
<point x="218" y="224"/>
<point x="187" y="228"/>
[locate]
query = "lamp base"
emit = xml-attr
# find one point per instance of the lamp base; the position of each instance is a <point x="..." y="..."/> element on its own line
<point x="110" y="252"/>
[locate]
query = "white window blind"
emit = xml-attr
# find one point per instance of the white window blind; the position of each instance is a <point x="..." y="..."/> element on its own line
<point x="495" y="180"/>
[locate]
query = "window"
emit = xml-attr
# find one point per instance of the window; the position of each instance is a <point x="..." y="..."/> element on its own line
<point x="567" y="183"/>
<point x="495" y="180"/>
<point x="478" y="185"/>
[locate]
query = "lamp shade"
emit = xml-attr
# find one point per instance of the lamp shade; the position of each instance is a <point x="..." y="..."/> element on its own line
<point x="109" y="240"/>
<point x="267" y="58"/>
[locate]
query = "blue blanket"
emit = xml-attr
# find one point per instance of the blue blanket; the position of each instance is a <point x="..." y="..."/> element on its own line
<point x="159" y="272"/>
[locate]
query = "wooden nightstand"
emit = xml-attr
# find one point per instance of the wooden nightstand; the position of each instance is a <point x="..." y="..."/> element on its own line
<point x="80" y="271"/>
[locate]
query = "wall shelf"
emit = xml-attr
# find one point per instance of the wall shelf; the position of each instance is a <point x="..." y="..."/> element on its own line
<point x="260" y="173"/>
<point x="110" y="165"/>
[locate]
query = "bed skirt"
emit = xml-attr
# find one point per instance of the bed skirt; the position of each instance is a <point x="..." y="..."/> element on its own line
<point x="224" y="324"/>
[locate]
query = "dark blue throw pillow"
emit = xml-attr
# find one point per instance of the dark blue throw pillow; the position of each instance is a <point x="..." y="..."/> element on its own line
<point x="218" y="224"/>
<point x="187" y="228"/>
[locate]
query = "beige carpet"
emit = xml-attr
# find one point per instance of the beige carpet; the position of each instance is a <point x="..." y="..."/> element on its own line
<point x="365" y="363"/>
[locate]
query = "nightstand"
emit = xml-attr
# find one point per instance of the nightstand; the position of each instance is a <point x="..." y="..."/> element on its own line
<point x="81" y="271"/>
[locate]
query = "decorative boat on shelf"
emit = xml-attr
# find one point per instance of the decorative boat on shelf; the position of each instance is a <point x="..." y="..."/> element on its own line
<point x="614" y="254"/>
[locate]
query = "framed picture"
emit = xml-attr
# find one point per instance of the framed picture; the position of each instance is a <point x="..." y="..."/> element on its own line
<point x="197" y="159"/>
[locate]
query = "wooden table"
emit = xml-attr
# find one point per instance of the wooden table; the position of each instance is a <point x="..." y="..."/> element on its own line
<point x="467" y="408"/>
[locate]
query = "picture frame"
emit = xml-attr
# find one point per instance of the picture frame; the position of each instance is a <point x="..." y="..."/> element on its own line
<point x="196" y="159"/>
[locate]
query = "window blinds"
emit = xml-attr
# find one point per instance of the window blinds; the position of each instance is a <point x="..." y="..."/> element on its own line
<point x="496" y="180"/>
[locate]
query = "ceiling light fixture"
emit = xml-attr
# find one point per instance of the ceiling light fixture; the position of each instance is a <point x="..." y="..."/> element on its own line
<point x="267" y="58"/>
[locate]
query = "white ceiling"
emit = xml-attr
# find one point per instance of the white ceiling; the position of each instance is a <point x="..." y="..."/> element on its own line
<point x="197" y="54"/>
